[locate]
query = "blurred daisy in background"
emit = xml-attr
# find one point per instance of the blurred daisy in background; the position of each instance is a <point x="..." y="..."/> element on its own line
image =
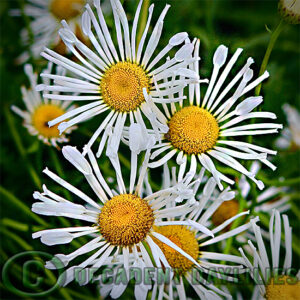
<point x="193" y="241"/>
<point x="39" y="111"/>
<point x="273" y="277"/>
<point x="290" y="135"/>
<point x="46" y="20"/>
<point x="122" y="222"/>
<point x="205" y="130"/>
<point x="272" y="197"/>
<point x="112" y="80"/>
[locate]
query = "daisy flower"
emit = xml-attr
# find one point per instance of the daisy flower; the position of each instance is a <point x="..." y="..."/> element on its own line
<point x="119" y="223"/>
<point x="273" y="279"/>
<point x="290" y="135"/>
<point x="46" y="17"/>
<point x="112" y="80"/>
<point x="40" y="111"/>
<point x="271" y="197"/>
<point x="193" y="241"/>
<point x="206" y="130"/>
<point x="183" y="191"/>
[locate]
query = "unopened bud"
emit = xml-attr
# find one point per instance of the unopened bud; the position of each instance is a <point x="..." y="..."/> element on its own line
<point x="290" y="11"/>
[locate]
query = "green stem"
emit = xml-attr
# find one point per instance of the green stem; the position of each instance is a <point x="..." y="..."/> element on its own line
<point x="287" y="182"/>
<point x="143" y="20"/>
<point x="273" y="39"/>
<point x="18" y="225"/>
<point x="253" y="197"/>
<point x="14" y="200"/>
<point x="123" y="159"/>
<point x="35" y="178"/>
<point x="149" y="252"/>
<point x="295" y="210"/>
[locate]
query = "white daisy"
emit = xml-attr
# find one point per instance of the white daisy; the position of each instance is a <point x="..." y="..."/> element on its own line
<point x="205" y="130"/>
<point x="40" y="111"/>
<point x="122" y="222"/>
<point x="192" y="238"/>
<point x="112" y="80"/>
<point x="290" y="135"/>
<point x="273" y="279"/>
<point x="46" y="17"/>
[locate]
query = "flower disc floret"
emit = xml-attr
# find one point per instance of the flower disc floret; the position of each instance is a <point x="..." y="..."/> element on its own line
<point x="42" y="115"/>
<point x="125" y="220"/>
<point x="282" y="288"/>
<point x="122" y="86"/>
<point x="184" y="239"/>
<point x="66" y="9"/>
<point x="225" y="211"/>
<point x="193" y="130"/>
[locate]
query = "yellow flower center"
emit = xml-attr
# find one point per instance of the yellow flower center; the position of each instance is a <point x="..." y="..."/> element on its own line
<point x="225" y="211"/>
<point x="42" y="115"/>
<point x="193" y="130"/>
<point x="122" y="86"/>
<point x="282" y="288"/>
<point x="125" y="220"/>
<point x="184" y="239"/>
<point x="66" y="9"/>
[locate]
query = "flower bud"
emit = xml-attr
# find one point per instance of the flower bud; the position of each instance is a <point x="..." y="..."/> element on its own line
<point x="290" y="11"/>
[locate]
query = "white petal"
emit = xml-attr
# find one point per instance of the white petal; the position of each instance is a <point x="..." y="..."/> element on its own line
<point x="220" y="56"/>
<point x="248" y="105"/>
<point x="201" y="228"/>
<point x="77" y="159"/>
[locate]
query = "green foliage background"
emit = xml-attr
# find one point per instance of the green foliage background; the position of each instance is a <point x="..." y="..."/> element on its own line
<point x="245" y="24"/>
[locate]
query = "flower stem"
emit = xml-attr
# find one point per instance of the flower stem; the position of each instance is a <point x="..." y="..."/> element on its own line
<point x="143" y="21"/>
<point x="276" y="182"/>
<point x="273" y="39"/>
<point x="6" y="222"/>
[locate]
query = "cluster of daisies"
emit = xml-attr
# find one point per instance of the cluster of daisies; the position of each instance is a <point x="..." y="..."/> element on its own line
<point x="153" y="100"/>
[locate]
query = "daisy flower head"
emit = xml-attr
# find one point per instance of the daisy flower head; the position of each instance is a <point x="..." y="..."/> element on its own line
<point x="206" y="130"/>
<point x="46" y="17"/>
<point x="113" y="78"/>
<point x="290" y="135"/>
<point x="274" y="278"/>
<point x="121" y="223"/>
<point x="39" y="111"/>
<point x="193" y="238"/>
<point x="272" y="197"/>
